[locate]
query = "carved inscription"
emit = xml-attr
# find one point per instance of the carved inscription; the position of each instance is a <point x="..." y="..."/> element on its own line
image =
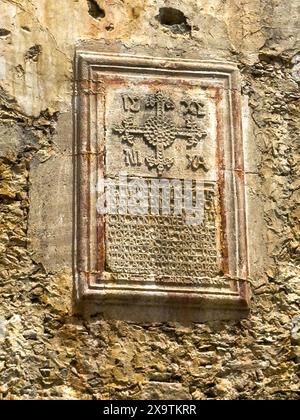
<point x="160" y="131"/>
<point x="196" y="162"/>
<point x="161" y="244"/>
<point x="160" y="228"/>
<point x="131" y="103"/>
<point x="132" y="157"/>
<point x="193" y="108"/>
<point x="164" y="245"/>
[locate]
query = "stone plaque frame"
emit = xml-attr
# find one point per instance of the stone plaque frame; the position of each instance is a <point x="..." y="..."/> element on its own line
<point x="224" y="297"/>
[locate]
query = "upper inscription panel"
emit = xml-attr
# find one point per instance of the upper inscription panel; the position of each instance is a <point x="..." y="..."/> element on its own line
<point x="160" y="202"/>
<point x="163" y="130"/>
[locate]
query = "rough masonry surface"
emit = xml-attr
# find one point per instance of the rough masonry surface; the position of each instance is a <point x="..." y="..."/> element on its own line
<point x="45" y="351"/>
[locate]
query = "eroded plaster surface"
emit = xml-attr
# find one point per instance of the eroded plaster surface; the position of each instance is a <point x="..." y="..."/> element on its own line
<point x="46" y="352"/>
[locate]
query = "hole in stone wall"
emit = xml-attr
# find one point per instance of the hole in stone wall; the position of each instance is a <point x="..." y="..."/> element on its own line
<point x="4" y="32"/>
<point x="33" y="53"/>
<point x="20" y="70"/>
<point x="35" y="300"/>
<point x="110" y="27"/>
<point x="95" y="10"/>
<point x="173" y="19"/>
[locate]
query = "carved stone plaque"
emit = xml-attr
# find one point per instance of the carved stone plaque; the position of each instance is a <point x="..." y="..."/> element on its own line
<point x="160" y="208"/>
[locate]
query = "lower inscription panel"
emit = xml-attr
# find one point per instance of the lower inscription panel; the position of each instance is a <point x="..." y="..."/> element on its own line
<point x="164" y="245"/>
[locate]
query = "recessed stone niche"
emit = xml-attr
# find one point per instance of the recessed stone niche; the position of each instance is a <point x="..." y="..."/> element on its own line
<point x="160" y="219"/>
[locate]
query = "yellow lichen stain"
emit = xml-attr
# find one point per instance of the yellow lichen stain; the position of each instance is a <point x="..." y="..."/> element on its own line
<point x="7" y="192"/>
<point x="59" y="294"/>
<point x="136" y="11"/>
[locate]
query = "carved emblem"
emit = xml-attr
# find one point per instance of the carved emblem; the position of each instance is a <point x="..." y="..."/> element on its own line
<point x="159" y="131"/>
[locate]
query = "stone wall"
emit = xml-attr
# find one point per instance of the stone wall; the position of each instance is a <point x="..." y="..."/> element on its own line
<point x="46" y="351"/>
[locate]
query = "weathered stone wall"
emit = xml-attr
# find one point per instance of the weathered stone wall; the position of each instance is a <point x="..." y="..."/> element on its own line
<point x="45" y="352"/>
